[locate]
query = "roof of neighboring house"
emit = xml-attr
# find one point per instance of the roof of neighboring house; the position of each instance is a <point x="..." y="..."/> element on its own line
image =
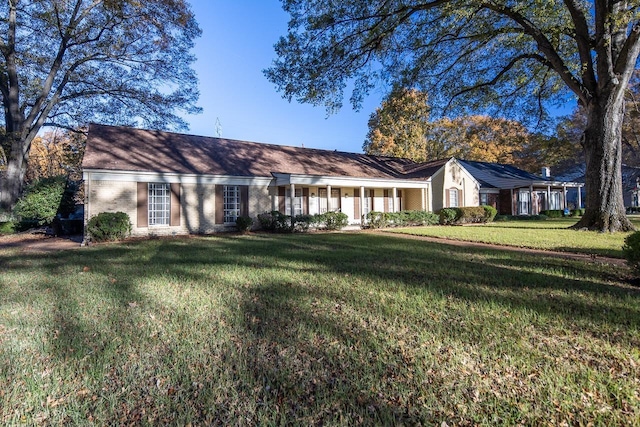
<point x="499" y="175"/>
<point x="136" y="150"/>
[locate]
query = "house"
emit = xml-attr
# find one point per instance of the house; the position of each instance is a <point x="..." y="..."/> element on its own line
<point x="513" y="191"/>
<point x="171" y="183"/>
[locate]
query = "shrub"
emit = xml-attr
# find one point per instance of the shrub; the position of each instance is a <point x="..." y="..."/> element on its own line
<point x="553" y="213"/>
<point x="577" y="212"/>
<point x="469" y="214"/>
<point x="520" y="217"/>
<point x="377" y="219"/>
<point x="40" y="202"/>
<point x="489" y="213"/>
<point x="302" y="223"/>
<point x="631" y="250"/>
<point x="109" y="226"/>
<point x="447" y="216"/>
<point x="332" y="220"/>
<point x="275" y="221"/>
<point x="421" y="218"/>
<point x="7" y="227"/>
<point x="244" y="223"/>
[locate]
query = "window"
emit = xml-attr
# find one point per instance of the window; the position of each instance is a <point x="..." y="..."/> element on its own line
<point x="484" y="199"/>
<point x="554" y="201"/>
<point x="368" y="195"/>
<point x="159" y="204"/>
<point x="453" y="198"/>
<point x="231" y="197"/>
<point x="297" y="202"/>
<point x="524" y="199"/>
<point x="335" y="200"/>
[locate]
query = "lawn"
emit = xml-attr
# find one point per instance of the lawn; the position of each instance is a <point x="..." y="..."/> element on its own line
<point x="317" y="329"/>
<point x="551" y="234"/>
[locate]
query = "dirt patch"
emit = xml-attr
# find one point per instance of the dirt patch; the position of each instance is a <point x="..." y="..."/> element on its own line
<point x="39" y="241"/>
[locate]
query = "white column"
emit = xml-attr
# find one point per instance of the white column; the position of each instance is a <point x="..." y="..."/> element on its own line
<point x="579" y="197"/>
<point x="513" y="202"/>
<point x="328" y="198"/>
<point x="292" y="197"/>
<point x="548" y="197"/>
<point x="394" y="200"/>
<point x="531" y="199"/>
<point x="564" y="197"/>
<point x="361" y="205"/>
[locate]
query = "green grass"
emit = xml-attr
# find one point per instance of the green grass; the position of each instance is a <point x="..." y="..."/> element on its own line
<point x="320" y="329"/>
<point x="549" y="235"/>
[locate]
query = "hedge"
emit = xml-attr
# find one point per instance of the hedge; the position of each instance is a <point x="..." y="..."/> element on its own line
<point x="109" y="226"/>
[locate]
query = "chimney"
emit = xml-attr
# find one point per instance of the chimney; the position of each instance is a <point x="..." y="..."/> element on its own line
<point x="546" y="172"/>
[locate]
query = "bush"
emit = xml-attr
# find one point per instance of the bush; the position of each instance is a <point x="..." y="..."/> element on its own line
<point x="577" y="212"/>
<point x="332" y="220"/>
<point x="109" y="226"/>
<point x="553" y="213"/>
<point x="7" y="227"/>
<point x="470" y="215"/>
<point x="244" y="223"/>
<point x="447" y="216"/>
<point x="377" y="219"/>
<point x="421" y="218"/>
<point x="275" y="221"/>
<point x="489" y="213"/>
<point x="520" y="218"/>
<point x="631" y="250"/>
<point x="302" y="223"/>
<point x="40" y="202"/>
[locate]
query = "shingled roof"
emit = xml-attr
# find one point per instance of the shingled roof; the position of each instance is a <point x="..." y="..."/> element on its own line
<point x="136" y="150"/>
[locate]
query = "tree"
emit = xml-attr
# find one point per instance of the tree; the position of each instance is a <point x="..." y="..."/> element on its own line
<point x="504" y="56"/>
<point x="55" y="153"/>
<point x="67" y="63"/>
<point x="400" y="126"/>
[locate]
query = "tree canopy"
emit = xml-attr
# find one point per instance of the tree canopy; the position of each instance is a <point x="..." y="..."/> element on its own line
<point x="68" y="63"/>
<point x="503" y="57"/>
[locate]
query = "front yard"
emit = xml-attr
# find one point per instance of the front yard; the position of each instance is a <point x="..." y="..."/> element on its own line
<point x="549" y="235"/>
<point x="315" y="329"/>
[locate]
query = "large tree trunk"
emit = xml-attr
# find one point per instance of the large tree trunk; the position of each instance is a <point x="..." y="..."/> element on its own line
<point x="12" y="182"/>
<point x="605" y="210"/>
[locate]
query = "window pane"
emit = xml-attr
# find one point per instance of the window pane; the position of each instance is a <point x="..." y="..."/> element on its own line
<point x="231" y="203"/>
<point x="159" y="204"/>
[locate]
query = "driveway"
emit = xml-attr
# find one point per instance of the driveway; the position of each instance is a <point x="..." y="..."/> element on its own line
<point x="39" y="242"/>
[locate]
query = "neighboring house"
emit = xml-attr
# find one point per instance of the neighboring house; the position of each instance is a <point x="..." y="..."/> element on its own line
<point x="630" y="183"/>
<point x="172" y="183"/>
<point x="513" y="191"/>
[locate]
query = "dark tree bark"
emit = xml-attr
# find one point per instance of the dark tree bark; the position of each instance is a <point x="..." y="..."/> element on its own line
<point x="605" y="210"/>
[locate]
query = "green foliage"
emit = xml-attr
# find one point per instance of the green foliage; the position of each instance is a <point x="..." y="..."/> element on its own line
<point x="375" y="219"/>
<point x="540" y="217"/>
<point x="470" y="214"/>
<point x="553" y="213"/>
<point x="108" y="226"/>
<point x="41" y="201"/>
<point x="275" y="221"/>
<point x="332" y="220"/>
<point x="447" y="216"/>
<point x="7" y="227"/>
<point x="631" y="250"/>
<point x="244" y="223"/>
<point x="303" y="222"/>
<point x="489" y="213"/>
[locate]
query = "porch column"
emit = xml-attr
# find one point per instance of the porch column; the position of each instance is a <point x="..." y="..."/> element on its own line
<point x="394" y="201"/>
<point x="328" y="198"/>
<point x="564" y="196"/>
<point x="531" y="199"/>
<point x="274" y="199"/>
<point x="548" y="197"/>
<point x="579" y="197"/>
<point x="362" y="205"/>
<point x="292" y="198"/>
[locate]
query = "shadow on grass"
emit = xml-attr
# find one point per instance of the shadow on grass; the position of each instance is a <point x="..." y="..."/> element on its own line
<point x="302" y="301"/>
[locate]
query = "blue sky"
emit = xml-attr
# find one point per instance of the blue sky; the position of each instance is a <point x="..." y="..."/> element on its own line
<point x="236" y="45"/>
